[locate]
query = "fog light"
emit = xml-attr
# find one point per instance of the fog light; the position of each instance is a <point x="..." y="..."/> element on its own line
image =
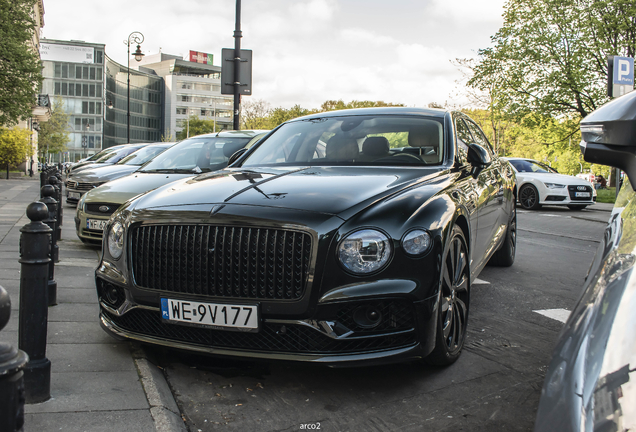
<point x="367" y="316"/>
<point x="112" y="295"/>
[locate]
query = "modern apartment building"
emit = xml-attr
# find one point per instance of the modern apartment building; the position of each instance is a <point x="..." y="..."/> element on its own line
<point x="94" y="91"/>
<point x="191" y="89"/>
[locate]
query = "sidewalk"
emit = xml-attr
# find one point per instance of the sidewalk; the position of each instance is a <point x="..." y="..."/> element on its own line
<point x="97" y="383"/>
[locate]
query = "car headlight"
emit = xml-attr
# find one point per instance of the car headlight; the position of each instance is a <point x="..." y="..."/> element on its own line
<point x="416" y="242"/>
<point x="364" y="251"/>
<point x="116" y="240"/>
<point x="554" y="185"/>
<point x="81" y="203"/>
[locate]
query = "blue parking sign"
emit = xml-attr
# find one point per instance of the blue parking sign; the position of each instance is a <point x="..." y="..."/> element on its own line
<point x="623" y="70"/>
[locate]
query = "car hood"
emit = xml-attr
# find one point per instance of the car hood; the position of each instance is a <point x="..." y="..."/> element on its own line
<point x="329" y="190"/>
<point x="553" y="178"/>
<point x="102" y="173"/>
<point x="124" y="188"/>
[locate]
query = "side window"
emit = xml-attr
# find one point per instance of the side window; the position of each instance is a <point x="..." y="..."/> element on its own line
<point x="480" y="138"/>
<point x="463" y="139"/>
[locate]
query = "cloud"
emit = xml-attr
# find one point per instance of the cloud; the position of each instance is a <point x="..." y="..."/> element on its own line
<point x="304" y="51"/>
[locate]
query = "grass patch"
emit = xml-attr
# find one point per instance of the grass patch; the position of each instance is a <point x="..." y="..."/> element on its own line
<point x="606" y="195"/>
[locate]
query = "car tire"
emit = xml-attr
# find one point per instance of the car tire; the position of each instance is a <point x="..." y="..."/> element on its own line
<point x="529" y="197"/>
<point x="505" y="256"/>
<point x="452" y="311"/>
<point x="576" y="207"/>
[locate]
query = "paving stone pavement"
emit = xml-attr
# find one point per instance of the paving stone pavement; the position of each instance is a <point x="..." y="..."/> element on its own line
<point x="97" y="383"/>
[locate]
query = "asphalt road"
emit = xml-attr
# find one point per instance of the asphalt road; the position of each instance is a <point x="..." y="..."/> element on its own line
<point x="494" y="386"/>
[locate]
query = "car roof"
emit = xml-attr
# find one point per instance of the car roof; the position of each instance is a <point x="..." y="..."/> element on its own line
<point x="430" y="112"/>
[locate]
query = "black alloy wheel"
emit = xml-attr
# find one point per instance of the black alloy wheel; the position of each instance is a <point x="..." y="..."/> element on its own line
<point x="454" y="303"/>
<point x="529" y="197"/>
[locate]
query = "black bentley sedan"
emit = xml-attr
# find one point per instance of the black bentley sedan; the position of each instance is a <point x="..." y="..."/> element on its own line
<point x="347" y="237"/>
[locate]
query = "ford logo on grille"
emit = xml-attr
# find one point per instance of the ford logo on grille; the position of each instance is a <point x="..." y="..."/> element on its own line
<point x="104" y="209"/>
<point x="581" y="188"/>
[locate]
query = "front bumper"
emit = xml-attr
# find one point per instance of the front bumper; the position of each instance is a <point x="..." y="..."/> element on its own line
<point x="81" y="227"/>
<point x="567" y="196"/>
<point x="330" y="336"/>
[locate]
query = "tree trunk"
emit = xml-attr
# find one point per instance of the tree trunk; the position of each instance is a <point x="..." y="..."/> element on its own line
<point x="7" y="171"/>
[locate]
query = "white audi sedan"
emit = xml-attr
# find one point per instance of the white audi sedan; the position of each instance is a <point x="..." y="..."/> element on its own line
<point x="538" y="184"/>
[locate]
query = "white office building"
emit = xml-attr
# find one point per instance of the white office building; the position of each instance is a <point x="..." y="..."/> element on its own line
<point x="191" y="89"/>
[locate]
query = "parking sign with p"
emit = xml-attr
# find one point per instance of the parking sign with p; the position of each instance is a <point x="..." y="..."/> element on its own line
<point x="621" y="75"/>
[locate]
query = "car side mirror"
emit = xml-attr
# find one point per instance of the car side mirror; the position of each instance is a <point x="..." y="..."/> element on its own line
<point x="478" y="158"/>
<point x="237" y="154"/>
<point x="609" y="135"/>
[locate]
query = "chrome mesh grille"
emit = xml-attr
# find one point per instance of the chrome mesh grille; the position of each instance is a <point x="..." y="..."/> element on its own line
<point x="221" y="261"/>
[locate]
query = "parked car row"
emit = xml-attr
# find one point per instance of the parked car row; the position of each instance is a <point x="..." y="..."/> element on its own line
<point x="146" y="169"/>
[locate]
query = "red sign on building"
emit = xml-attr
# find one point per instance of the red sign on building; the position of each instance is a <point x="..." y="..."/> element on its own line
<point x="200" y="57"/>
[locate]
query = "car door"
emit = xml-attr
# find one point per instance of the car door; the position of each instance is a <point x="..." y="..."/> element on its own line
<point x="498" y="174"/>
<point x="478" y="193"/>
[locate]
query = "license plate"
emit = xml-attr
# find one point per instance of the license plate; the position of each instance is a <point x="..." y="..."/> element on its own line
<point x="223" y="316"/>
<point x="582" y="194"/>
<point x="96" y="224"/>
<point x="74" y="195"/>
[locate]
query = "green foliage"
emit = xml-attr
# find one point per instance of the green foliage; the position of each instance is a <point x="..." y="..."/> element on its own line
<point x="259" y="115"/>
<point x="332" y="105"/>
<point x="197" y="126"/>
<point x="550" y="56"/>
<point x="20" y="68"/>
<point x="54" y="133"/>
<point x="15" y="146"/>
<point x="606" y="195"/>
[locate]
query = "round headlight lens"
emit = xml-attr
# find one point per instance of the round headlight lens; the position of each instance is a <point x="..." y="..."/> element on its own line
<point x="364" y="251"/>
<point x="416" y="242"/>
<point x="116" y="240"/>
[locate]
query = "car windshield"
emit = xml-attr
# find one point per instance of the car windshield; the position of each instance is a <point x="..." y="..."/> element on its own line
<point x="197" y="155"/>
<point x="522" y="165"/>
<point x="142" y="155"/>
<point x="117" y="155"/>
<point x="384" y="140"/>
<point x="103" y="153"/>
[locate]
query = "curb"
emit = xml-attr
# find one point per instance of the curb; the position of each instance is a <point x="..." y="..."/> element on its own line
<point x="163" y="407"/>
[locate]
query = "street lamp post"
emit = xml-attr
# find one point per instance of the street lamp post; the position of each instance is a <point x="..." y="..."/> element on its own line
<point x="85" y="138"/>
<point x="137" y="38"/>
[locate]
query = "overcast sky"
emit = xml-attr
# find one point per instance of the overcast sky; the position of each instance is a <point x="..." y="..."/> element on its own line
<point x="304" y="51"/>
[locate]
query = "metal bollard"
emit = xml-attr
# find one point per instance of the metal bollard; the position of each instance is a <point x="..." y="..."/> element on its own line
<point x="47" y="194"/>
<point x="51" y="204"/>
<point x="12" y="361"/>
<point x="60" y="208"/>
<point x="34" y="257"/>
<point x="58" y="197"/>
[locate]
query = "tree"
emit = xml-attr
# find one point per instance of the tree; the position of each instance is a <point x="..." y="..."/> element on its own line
<point x="254" y="114"/>
<point x="332" y="105"/>
<point x="196" y="126"/>
<point x="14" y="147"/>
<point x="20" y="68"/>
<point x="550" y="56"/>
<point x="54" y="133"/>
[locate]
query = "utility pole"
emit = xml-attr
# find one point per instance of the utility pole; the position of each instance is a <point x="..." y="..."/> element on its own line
<point x="237" y="65"/>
